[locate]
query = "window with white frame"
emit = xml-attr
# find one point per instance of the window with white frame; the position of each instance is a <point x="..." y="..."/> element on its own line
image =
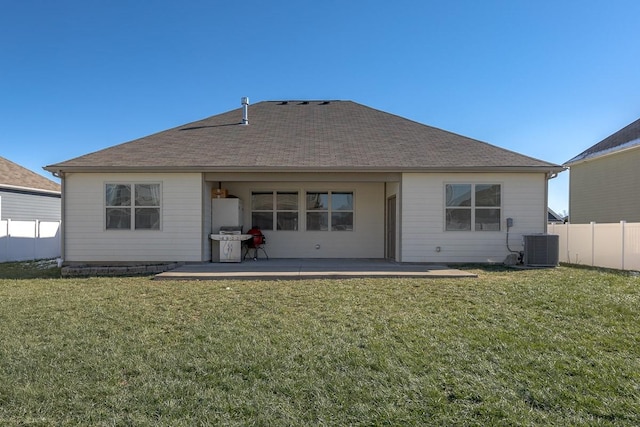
<point x="275" y="210"/>
<point x="330" y="210"/>
<point x="132" y="206"/>
<point x="473" y="207"/>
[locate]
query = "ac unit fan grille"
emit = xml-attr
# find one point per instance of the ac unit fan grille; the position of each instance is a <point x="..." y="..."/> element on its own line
<point x="541" y="250"/>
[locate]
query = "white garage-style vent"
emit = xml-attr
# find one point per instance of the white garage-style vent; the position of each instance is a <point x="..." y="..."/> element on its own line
<point x="541" y="250"/>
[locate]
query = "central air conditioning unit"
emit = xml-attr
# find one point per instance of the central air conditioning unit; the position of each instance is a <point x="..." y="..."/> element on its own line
<point x="541" y="250"/>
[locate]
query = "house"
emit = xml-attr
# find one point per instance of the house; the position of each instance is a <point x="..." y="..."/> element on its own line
<point x="30" y="214"/>
<point x="553" y="217"/>
<point x="323" y="179"/>
<point x="26" y="195"/>
<point x="604" y="179"/>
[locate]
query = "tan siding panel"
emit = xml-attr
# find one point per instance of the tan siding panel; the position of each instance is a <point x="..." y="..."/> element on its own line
<point x="605" y="189"/>
<point x="179" y="239"/>
<point x="366" y="241"/>
<point x="423" y="218"/>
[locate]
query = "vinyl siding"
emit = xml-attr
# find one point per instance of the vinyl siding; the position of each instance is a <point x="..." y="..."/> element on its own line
<point x="179" y="239"/>
<point x="605" y="189"/>
<point x="365" y="241"/>
<point x="206" y="219"/>
<point x="186" y="219"/>
<point x="393" y="189"/>
<point x="26" y="207"/>
<point x="423" y="213"/>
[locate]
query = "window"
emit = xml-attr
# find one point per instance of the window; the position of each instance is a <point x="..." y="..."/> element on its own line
<point x="280" y="207"/>
<point x="329" y="211"/>
<point x="132" y="206"/>
<point x="472" y="207"/>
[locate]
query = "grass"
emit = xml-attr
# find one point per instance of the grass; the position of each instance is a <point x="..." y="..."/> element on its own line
<point x="539" y="347"/>
<point x="44" y="268"/>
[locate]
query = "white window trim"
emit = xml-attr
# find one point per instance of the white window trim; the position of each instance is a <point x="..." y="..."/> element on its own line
<point x="473" y="206"/>
<point x="302" y="208"/>
<point x="330" y="210"/>
<point x="132" y="207"/>
<point x="275" y="210"/>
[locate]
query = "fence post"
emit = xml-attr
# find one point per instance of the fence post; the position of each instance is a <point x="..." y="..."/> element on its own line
<point x="36" y="236"/>
<point x="622" y="230"/>
<point x="568" y="224"/>
<point x="593" y="243"/>
<point x="9" y="238"/>
<point x="6" y="243"/>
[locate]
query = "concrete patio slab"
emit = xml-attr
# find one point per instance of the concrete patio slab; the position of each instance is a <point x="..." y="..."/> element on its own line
<point x="277" y="269"/>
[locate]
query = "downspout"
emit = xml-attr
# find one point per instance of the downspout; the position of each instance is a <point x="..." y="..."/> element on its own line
<point x="548" y="176"/>
<point x="399" y="223"/>
<point x="386" y="221"/>
<point x="569" y="179"/>
<point x="60" y="174"/>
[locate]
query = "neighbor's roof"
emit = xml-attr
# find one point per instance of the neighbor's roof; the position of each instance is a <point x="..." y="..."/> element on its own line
<point x="17" y="177"/>
<point x="304" y="136"/>
<point x="552" y="216"/>
<point x="625" y="138"/>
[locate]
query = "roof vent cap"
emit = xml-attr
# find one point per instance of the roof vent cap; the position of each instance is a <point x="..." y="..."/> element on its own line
<point x="245" y="110"/>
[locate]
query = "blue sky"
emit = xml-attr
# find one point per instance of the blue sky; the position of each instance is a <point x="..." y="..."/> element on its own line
<point x="545" y="78"/>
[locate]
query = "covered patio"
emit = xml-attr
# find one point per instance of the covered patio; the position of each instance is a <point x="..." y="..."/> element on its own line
<point x="287" y="269"/>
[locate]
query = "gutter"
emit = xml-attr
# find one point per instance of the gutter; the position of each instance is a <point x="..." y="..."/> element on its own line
<point x="18" y="188"/>
<point x="580" y="158"/>
<point x="549" y="176"/>
<point x="57" y="171"/>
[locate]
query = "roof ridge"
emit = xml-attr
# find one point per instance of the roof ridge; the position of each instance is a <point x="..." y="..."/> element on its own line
<point x="304" y="100"/>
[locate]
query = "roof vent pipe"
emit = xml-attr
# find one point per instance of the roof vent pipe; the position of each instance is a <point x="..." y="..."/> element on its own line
<point x="245" y="110"/>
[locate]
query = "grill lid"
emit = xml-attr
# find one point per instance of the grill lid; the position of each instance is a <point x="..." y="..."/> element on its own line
<point x="231" y="229"/>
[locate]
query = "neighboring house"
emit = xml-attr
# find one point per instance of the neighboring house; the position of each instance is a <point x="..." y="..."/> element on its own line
<point x="323" y="179"/>
<point x="553" y="217"/>
<point x="25" y="195"/>
<point x="604" y="179"/>
<point x="30" y="214"/>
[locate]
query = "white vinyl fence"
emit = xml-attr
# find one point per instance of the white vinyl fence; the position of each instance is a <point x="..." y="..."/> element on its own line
<point x="600" y="245"/>
<point x="29" y="240"/>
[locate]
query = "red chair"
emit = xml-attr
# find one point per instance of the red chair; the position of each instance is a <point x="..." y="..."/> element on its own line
<point x="256" y="243"/>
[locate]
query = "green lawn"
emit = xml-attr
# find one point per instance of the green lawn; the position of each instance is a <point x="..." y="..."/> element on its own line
<point x="537" y="347"/>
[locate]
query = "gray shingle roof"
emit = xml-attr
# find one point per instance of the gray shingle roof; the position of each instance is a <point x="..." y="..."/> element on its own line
<point x="627" y="137"/>
<point x="304" y="136"/>
<point x="14" y="175"/>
